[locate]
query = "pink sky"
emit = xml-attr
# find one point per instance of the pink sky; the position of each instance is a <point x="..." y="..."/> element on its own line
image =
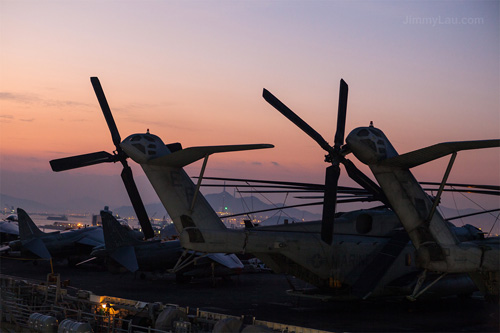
<point x="193" y="72"/>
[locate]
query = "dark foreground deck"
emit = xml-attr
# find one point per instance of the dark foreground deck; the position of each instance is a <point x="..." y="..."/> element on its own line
<point x="263" y="295"/>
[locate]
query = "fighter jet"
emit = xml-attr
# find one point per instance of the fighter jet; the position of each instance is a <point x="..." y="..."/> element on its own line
<point x="9" y="229"/>
<point x="158" y="255"/>
<point x="69" y="244"/>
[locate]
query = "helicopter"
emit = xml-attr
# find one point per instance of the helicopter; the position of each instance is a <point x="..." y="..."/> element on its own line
<point x="404" y="248"/>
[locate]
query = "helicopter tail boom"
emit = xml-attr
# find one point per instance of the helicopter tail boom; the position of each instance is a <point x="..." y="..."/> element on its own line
<point x="437" y="247"/>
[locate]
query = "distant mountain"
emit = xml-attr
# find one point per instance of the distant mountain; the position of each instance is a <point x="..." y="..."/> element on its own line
<point x="220" y="201"/>
<point x="83" y="205"/>
<point x="8" y="203"/>
<point x="234" y="205"/>
<point x="484" y="221"/>
<point x="80" y="206"/>
<point x="155" y="210"/>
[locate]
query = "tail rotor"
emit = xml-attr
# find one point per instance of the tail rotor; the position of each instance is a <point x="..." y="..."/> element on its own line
<point x="79" y="161"/>
<point x="335" y="156"/>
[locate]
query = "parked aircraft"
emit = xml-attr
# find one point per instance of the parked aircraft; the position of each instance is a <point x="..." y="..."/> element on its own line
<point x="9" y="229"/>
<point x="367" y="255"/>
<point x="68" y="244"/>
<point x="158" y="255"/>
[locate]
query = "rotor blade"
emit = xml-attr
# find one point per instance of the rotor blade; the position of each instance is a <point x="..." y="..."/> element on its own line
<point x="280" y="191"/>
<point x="497" y="193"/>
<point x="106" y="111"/>
<point x="79" y="161"/>
<point x="265" y="181"/>
<point x="341" y="115"/>
<point x="136" y="200"/>
<point x="329" y="203"/>
<point x="313" y="186"/>
<point x="271" y="209"/>
<point x="278" y="105"/>
<point x="473" y="214"/>
<point x="317" y="203"/>
<point x="358" y="192"/>
<point x="346" y="198"/>
<point x="340" y="189"/>
<point x="306" y="187"/>
<point x="284" y="187"/>
<point x="484" y="187"/>
<point x="365" y="182"/>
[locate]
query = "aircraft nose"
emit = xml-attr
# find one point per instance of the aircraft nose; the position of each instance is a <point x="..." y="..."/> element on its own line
<point x="15" y="245"/>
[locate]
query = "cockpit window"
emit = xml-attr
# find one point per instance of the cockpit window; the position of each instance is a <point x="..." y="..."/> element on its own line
<point x="377" y="133"/>
<point x="363" y="132"/>
<point x="370" y="144"/>
<point x="140" y="147"/>
<point x="136" y="138"/>
<point x="149" y="138"/>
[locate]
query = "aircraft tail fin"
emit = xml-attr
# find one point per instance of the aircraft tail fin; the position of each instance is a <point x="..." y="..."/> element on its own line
<point x="437" y="245"/>
<point x="191" y="213"/>
<point x="27" y="228"/>
<point x="119" y="242"/>
<point x="199" y="226"/>
<point x="126" y="257"/>
<point x="115" y="236"/>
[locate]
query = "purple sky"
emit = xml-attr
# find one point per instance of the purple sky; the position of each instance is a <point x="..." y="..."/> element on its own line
<point x="193" y="71"/>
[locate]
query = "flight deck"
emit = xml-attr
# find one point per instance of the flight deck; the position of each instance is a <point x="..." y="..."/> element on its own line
<point x="262" y="297"/>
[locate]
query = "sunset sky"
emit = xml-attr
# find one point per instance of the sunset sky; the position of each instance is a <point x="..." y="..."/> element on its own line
<point x="193" y="72"/>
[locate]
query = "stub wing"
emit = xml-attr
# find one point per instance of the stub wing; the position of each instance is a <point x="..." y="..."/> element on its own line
<point x="427" y="154"/>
